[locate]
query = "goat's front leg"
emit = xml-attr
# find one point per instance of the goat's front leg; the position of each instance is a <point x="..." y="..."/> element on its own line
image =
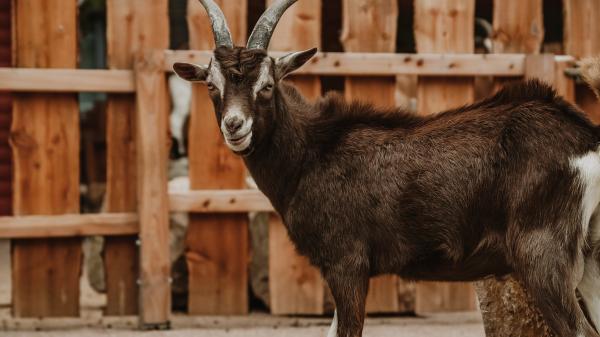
<point x="349" y="288"/>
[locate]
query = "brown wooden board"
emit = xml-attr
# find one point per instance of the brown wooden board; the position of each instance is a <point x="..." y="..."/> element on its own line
<point x="46" y="226"/>
<point x="132" y="26"/>
<point x="444" y="27"/>
<point x="295" y="286"/>
<point x="518" y="26"/>
<point x="216" y="244"/>
<point x="370" y="26"/>
<point x="582" y="24"/>
<point x="45" y="143"/>
<point x="370" y="64"/>
<point x="151" y="157"/>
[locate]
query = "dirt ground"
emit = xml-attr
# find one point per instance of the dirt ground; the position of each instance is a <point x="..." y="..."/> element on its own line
<point x="92" y="324"/>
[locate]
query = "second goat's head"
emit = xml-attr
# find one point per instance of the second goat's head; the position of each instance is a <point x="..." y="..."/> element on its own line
<point x="242" y="81"/>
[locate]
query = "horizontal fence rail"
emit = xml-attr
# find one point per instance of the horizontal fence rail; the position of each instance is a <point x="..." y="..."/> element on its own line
<point x="387" y="64"/>
<point x="117" y="224"/>
<point x="68" y="225"/>
<point x="219" y="201"/>
<point x="325" y="64"/>
<point x="66" y="80"/>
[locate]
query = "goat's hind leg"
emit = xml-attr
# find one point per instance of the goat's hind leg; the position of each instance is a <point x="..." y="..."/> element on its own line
<point x="550" y="277"/>
<point x="589" y="287"/>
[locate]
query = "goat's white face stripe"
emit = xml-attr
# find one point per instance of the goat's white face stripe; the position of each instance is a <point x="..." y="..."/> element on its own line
<point x="235" y="111"/>
<point x="216" y="77"/>
<point x="264" y="76"/>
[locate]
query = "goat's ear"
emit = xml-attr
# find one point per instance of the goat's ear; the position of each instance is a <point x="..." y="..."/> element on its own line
<point x="290" y="62"/>
<point x="191" y="72"/>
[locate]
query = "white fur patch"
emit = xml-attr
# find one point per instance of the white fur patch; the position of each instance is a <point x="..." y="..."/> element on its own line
<point x="264" y="76"/>
<point x="216" y="77"/>
<point x="334" y="325"/>
<point x="588" y="168"/>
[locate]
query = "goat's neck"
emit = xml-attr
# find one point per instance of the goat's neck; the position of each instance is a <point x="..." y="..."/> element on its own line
<point x="276" y="163"/>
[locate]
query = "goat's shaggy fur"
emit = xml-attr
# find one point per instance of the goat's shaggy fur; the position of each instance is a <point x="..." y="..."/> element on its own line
<point x="510" y="184"/>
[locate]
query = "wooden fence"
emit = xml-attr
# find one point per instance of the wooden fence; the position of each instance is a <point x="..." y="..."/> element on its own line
<point x="46" y="228"/>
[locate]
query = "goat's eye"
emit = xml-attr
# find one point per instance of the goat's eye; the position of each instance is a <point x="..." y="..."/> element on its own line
<point x="267" y="87"/>
<point x="210" y="86"/>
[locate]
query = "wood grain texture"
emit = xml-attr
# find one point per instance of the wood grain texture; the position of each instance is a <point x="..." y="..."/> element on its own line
<point x="65" y="80"/>
<point x="370" y="26"/>
<point x="565" y="86"/>
<point x="582" y="24"/>
<point x="295" y="286"/>
<point x="444" y="27"/>
<point x="219" y="201"/>
<point x="133" y="26"/>
<point x="46" y="226"/>
<point x="45" y="142"/>
<point x="518" y="26"/>
<point x="216" y="244"/>
<point x="365" y="64"/>
<point x="151" y="159"/>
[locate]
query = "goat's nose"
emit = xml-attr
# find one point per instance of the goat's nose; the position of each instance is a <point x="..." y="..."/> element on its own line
<point x="233" y="124"/>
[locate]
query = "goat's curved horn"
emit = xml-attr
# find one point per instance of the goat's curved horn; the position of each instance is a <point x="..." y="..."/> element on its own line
<point x="263" y="30"/>
<point x="219" y="24"/>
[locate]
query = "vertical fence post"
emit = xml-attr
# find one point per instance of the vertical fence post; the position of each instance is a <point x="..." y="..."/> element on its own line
<point x="216" y="244"/>
<point x="582" y="24"/>
<point x="295" y="287"/>
<point x="45" y="142"/>
<point x="152" y="156"/>
<point x="132" y="26"/>
<point x="370" y="26"/>
<point x="444" y="26"/>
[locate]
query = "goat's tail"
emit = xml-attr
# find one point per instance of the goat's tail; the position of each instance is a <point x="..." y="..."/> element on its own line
<point x="590" y="71"/>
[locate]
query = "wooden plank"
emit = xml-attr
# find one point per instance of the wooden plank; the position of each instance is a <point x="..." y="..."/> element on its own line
<point x="295" y="286"/>
<point x="216" y="244"/>
<point x="385" y="64"/>
<point x="219" y="201"/>
<point x="133" y="26"/>
<point x="582" y="23"/>
<point x="152" y="156"/>
<point x="540" y="66"/>
<point x="518" y="26"/>
<point x="444" y="27"/>
<point x="66" y="80"/>
<point x="68" y="225"/>
<point x="370" y="26"/>
<point x="45" y="142"/>
<point x="565" y="86"/>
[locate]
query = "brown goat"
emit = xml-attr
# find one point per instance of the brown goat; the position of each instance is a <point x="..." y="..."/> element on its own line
<point x="510" y="184"/>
